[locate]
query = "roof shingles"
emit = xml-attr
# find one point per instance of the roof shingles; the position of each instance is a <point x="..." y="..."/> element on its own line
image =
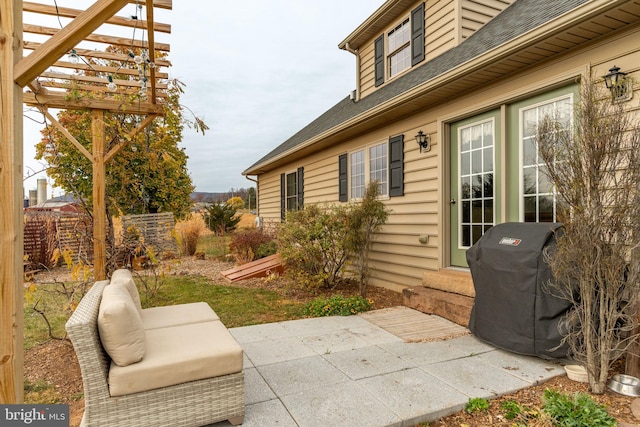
<point x="519" y="18"/>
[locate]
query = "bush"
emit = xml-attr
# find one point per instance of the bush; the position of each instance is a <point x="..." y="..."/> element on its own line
<point x="251" y="244"/>
<point x="579" y="411"/>
<point x="317" y="242"/>
<point x="313" y="243"/>
<point x="221" y="218"/>
<point x="337" y="305"/>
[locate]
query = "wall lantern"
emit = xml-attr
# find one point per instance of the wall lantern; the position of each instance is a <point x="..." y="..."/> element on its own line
<point x="618" y="84"/>
<point x="424" y="141"/>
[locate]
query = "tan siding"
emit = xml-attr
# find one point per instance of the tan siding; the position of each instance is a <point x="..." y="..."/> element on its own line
<point x="398" y="258"/>
<point x="367" y="77"/>
<point x="476" y="13"/>
<point x="440" y="27"/>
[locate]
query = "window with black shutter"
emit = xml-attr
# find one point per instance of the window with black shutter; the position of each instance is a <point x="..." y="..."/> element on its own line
<point x="343" y="178"/>
<point x="379" y="60"/>
<point x="396" y="166"/>
<point x="291" y="191"/>
<point x="417" y="35"/>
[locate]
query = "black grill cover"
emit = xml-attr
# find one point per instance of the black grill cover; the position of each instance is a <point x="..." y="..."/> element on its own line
<point x="511" y="308"/>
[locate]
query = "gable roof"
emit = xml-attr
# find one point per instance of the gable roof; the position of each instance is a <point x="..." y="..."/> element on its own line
<point x="493" y="51"/>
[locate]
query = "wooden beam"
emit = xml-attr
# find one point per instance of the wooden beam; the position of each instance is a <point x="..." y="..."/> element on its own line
<point x="146" y="122"/>
<point x="152" y="48"/>
<point x="67" y="12"/>
<point x="98" y="136"/>
<point x="60" y="101"/>
<point x="50" y="51"/>
<point x="97" y="38"/>
<point x="110" y="56"/>
<point x="11" y="216"/>
<point x="66" y="133"/>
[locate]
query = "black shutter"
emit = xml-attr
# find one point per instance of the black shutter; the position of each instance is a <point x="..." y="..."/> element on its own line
<point x="300" y="187"/>
<point x="417" y="35"/>
<point x="396" y="166"/>
<point x="283" y="197"/>
<point x="343" y="178"/>
<point x="379" y="60"/>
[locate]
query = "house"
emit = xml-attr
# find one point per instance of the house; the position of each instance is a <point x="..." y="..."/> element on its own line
<point x="471" y="77"/>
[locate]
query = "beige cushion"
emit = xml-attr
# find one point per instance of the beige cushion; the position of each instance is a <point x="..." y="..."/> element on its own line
<point x="176" y="315"/>
<point x="177" y="355"/>
<point x="123" y="277"/>
<point x="120" y="326"/>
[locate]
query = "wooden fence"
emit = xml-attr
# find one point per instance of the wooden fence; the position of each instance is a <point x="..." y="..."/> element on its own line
<point x="157" y="230"/>
<point x="44" y="232"/>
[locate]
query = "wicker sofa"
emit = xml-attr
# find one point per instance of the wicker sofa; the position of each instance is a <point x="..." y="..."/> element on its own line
<point x="190" y="373"/>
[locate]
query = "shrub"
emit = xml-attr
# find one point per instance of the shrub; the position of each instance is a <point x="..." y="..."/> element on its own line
<point x="317" y="242"/>
<point x="221" y="218"/>
<point x="251" y="244"/>
<point x="313" y="243"/>
<point x="337" y="305"/>
<point x="579" y="411"/>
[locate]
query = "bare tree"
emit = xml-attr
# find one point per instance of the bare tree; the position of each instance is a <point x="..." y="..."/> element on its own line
<point x="595" y="166"/>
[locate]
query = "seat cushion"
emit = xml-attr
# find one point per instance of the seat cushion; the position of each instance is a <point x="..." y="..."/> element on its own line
<point x="123" y="277"/>
<point x="176" y="355"/>
<point x="176" y="315"/>
<point x="120" y="326"/>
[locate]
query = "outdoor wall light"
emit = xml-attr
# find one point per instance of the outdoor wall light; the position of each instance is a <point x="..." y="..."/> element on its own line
<point x="618" y="84"/>
<point x="424" y="141"/>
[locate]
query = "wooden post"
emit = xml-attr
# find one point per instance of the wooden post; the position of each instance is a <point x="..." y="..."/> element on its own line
<point x="99" y="196"/>
<point x="11" y="200"/>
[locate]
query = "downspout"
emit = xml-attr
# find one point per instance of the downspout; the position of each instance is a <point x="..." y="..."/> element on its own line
<point x="356" y="53"/>
<point x="256" y="182"/>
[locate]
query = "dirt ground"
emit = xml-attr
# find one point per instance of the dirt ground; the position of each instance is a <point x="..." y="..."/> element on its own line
<point x="55" y="363"/>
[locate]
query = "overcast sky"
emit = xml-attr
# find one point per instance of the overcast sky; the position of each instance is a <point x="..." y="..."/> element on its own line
<point x="256" y="71"/>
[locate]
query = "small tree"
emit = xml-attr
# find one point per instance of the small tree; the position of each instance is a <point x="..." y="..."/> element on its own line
<point x="236" y="202"/>
<point x="221" y="218"/>
<point x="365" y="219"/>
<point x="596" y="172"/>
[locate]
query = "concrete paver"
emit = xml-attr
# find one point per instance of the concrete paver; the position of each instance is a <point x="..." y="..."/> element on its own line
<point x="346" y="371"/>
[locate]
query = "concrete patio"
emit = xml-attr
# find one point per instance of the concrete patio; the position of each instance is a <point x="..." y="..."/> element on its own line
<point x="352" y="371"/>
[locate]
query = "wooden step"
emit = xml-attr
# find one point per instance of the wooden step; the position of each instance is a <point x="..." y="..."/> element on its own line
<point x="458" y="282"/>
<point x="258" y="268"/>
<point x="451" y="306"/>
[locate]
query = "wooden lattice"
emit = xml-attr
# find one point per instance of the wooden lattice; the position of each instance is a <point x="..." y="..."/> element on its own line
<point x="155" y="230"/>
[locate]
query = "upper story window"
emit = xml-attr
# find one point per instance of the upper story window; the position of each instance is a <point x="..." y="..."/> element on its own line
<point x="399" y="48"/>
<point x="404" y="46"/>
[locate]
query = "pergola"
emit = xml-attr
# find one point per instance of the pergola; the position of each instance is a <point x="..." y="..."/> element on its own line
<point x="60" y="60"/>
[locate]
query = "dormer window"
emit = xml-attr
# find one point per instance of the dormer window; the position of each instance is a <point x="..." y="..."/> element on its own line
<point x="399" y="48"/>
<point x="404" y="44"/>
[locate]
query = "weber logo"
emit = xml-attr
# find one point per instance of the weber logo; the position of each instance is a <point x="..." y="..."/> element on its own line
<point x="509" y="241"/>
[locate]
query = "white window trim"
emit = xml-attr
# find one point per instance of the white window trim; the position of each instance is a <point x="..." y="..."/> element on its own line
<point x="286" y="193"/>
<point x="367" y="168"/>
<point x="404" y="21"/>
<point x="495" y="165"/>
<point x="521" y="111"/>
